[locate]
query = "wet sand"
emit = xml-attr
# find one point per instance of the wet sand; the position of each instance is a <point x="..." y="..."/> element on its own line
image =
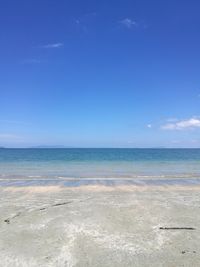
<point x="99" y="225"/>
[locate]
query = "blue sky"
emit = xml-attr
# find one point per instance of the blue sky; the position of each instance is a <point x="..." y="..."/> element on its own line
<point x="103" y="73"/>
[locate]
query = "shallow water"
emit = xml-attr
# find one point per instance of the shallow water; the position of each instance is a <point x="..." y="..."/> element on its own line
<point x="36" y="164"/>
<point x="100" y="182"/>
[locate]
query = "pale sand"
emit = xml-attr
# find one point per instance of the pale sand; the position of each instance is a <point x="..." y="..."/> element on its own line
<point x="99" y="226"/>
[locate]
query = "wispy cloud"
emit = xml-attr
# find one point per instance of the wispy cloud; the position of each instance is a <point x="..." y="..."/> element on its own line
<point x="128" y="23"/>
<point x="52" y="45"/>
<point x="5" y="137"/>
<point x="191" y="123"/>
<point x="186" y="143"/>
<point x="14" y="122"/>
<point x="83" y="23"/>
<point x="175" y="142"/>
<point x="149" y="126"/>
<point x="31" y="61"/>
<point x="80" y="26"/>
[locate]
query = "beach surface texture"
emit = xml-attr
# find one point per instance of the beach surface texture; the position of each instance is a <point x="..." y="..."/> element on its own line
<point x="97" y="225"/>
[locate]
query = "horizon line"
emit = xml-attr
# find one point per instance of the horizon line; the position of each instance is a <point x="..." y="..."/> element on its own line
<point x="49" y="147"/>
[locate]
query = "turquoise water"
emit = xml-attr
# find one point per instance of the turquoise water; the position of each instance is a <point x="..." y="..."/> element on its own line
<point x="99" y="163"/>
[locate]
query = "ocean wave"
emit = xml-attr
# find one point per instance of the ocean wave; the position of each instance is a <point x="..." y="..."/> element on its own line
<point x="93" y="177"/>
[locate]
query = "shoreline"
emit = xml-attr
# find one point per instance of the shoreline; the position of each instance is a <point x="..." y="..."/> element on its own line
<point x="104" y="182"/>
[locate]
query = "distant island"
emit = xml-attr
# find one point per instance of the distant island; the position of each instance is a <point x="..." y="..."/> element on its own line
<point x="49" y="146"/>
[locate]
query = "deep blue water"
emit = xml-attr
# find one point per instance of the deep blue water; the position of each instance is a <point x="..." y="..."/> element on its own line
<point x="105" y="163"/>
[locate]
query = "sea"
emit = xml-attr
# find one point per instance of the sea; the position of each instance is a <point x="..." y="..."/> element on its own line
<point x="77" y="166"/>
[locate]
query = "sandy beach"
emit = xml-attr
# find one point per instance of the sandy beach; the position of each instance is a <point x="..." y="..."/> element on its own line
<point x="99" y="133"/>
<point x="100" y="226"/>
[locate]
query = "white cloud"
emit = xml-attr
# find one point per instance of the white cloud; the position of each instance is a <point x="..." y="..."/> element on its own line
<point x="128" y="23"/>
<point x="149" y="126"/>
<point x="182" y="124"/>
<point x="54" y="45"/>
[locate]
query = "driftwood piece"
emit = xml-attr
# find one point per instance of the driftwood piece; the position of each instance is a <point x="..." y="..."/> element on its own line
<point x="177" y="228"/>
